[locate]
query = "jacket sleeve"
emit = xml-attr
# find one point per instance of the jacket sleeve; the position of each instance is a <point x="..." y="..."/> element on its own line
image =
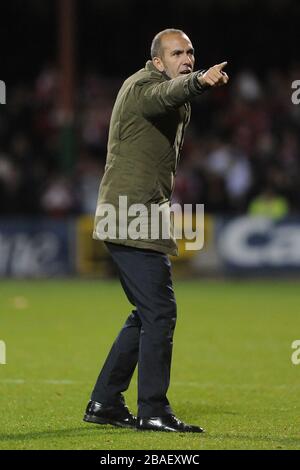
<point x="160" y="97"/>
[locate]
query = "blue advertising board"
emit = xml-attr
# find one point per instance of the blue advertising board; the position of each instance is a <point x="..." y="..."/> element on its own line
<point x="35" y="247"/>
<point x="259" y="245"/>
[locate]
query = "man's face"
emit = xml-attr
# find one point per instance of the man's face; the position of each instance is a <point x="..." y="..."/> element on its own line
<point x="177" y="55"/>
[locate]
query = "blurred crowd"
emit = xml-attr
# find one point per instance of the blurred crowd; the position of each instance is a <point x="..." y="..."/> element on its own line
<point x="241" y="152"/>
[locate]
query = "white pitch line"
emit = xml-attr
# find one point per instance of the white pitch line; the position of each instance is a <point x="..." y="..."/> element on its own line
<point x="50" y="381"/>
<point x="238" y="386"/>
<point x="12" y="381"/>
<point x="176" y="384"/>
<point x="59" y="382"/>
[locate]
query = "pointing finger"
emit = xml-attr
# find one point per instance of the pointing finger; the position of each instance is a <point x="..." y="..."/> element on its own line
<point x="221" y="66"/>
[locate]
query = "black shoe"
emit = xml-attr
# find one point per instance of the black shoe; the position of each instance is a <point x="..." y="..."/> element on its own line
<point x="167" y="423"/>
<point x="104" y="414"/>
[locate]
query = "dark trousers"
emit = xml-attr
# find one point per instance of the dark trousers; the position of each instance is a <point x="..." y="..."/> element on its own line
<point x="146" y="338"/>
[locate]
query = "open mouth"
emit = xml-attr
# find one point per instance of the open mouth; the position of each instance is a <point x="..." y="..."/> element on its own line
<point x="185" y="71"/>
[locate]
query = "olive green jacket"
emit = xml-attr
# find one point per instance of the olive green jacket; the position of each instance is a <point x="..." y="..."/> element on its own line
<point x="146" y="134"/>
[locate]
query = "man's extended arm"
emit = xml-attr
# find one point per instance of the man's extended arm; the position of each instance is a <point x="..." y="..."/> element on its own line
<point x="159" y="98"/>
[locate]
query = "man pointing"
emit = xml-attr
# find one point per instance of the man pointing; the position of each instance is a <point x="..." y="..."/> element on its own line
<point x="147" y="127"/>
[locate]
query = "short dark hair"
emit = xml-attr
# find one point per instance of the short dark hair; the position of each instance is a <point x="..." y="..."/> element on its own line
<point x="156" y="49"/>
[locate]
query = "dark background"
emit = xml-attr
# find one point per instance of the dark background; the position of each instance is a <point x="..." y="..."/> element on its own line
<point x="243" y="139"/>
<point x="114" y="36"/>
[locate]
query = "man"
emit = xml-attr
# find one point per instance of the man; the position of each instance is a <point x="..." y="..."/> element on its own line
<point x="146" y="134"/>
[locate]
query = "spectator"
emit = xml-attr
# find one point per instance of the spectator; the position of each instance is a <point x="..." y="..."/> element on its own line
<point x="249" y="140"/>
<point x="269" y="204"/>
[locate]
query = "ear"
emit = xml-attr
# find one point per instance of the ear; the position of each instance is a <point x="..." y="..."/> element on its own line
<point x="158" y="63"/>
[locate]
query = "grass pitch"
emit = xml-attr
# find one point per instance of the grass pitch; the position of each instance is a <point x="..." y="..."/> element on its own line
<point x="232" y="371"/>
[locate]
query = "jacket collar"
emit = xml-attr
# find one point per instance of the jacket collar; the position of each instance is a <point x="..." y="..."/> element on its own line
<point x="151" y="68"/>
